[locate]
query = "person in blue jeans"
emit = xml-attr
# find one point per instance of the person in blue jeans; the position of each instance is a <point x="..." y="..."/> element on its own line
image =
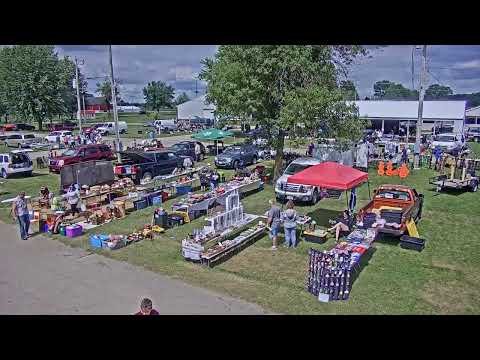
<point x="273" y="223"/>
<point x="290" y="225"/>
<point x="20" y="213"/>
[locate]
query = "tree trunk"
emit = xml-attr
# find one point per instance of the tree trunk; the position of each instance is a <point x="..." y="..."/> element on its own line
<point x="40" y="124"/>
<point x="279" y="156"/>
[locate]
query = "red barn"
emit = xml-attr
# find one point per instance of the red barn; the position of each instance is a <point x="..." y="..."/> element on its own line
<point x="96" y="104"/>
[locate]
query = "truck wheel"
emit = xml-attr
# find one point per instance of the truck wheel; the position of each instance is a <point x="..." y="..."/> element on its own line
<point x="235" y="164"/>
<point x="474" y="186"/>
<point x="4" y="174"/>
<point x="254" y="160"/>
<point x="314" y="197"/>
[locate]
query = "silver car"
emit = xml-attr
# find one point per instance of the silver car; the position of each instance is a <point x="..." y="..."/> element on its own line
<point x="20" y="140"/>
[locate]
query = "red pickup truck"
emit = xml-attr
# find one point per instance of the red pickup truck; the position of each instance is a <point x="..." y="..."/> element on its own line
<point x="81" y="154"/>
<point x="397" y="204"/>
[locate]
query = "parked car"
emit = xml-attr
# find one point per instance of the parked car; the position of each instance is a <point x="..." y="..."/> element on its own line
<point x="15" y="162"/>
<point x="304" y="193"/>
<point x="448" y="142"/>
<point x="396" y="196"/>
<point x="187" y="148"/>
<point x="56" y="136"/>
<point x="109" y="128"/>
<point x="473" y="134"/>
<point x="233" y="156"/>
<point x="82" y="154"/>
<point x="144" y="166"/>
<point x="9" y="127"/>
<point x="20" y="140"/>
<point x="27" y="127"/>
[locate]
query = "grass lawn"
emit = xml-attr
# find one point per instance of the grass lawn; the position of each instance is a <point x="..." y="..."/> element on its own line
<point x="443" y="279"/>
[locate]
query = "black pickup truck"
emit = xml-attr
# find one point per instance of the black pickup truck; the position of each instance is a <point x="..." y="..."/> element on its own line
<point x="144" y="166"/>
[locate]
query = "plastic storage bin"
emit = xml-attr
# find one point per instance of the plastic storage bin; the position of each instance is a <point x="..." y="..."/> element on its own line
<point x="412" y="243"/>
<point x="157" y="200"/>
<point x="73" y="231"/>
<point x="183" y="189"/>
<point x="96" y="241"/>
<point x="140" y="204"/>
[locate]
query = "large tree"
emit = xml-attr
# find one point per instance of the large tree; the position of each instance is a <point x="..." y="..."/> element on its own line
<point x="288" y="89"/>
<point x="387" y="90"/>
<point x="349" y="90"/>
<point x="158" y="95"/>
<point x="105" y="89"/>
<point x="34" y="82"/>
<point x="183" y="97"/>
<point x="437" y="91"/>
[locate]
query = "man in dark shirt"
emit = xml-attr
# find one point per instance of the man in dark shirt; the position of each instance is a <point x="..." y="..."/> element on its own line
<point x="146" y="308"/>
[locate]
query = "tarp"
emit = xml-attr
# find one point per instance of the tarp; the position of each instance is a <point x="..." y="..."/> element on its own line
<point x="211" y="134"/>
<point x="330" y="175"/>
<point x="87" y="173"/>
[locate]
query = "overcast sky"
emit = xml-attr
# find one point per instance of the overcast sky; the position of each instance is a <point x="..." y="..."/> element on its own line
<point x="457" y="66"/>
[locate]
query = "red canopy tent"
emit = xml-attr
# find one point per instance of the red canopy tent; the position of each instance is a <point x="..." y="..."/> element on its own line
<point x="330" y="175"/>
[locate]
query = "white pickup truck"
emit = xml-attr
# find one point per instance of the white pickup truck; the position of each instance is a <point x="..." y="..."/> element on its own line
<point x="285" y="190"/>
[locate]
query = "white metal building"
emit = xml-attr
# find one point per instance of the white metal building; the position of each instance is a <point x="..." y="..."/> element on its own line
<point x="472" y="116"/>
<point x="196" y="108"/>
<point x="387" y="114"/>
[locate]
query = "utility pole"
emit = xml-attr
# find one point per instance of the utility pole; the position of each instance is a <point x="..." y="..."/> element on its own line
<point x="423" y="82"/>
<point x="79" y="117"/>
<point x="114" y="102"/>
<point x="83" y="100"/>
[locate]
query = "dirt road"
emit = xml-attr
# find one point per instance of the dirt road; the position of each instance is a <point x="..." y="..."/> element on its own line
<point x="43" y="276"/>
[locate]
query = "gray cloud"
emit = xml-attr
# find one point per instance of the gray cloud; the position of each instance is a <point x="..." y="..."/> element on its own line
<point x="136" y="65"/>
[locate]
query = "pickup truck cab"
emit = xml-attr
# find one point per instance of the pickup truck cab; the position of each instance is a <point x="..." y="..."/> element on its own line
<point x="82" y="154"/>
<point x="15" y="162"/>
<point x="144" y="166"/>
<point x="304" y="193"/>
<point x="57" y="135"/>
<point x="397" y="198"/>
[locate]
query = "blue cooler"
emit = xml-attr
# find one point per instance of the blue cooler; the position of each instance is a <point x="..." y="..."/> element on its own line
<point x="140" y="204"/>
<point x="96" y="241"/>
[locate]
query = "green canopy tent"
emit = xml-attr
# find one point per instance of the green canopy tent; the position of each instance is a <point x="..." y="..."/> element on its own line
<point x="212" y="135"/>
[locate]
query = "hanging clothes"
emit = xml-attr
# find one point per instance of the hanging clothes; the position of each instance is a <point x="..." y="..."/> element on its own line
<point x="353" y="200"/>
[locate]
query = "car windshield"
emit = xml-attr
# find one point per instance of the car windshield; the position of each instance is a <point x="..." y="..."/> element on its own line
<point x="233" y="149"/>
<point x="180" y="147"/>
<point x="445" y="138"/>
<point x="30" y="136"/>
<point x="53" y="134"/>
<point x="69" y="153"/>
<point x="393" y="194"/>
<point x="292" y="169"/>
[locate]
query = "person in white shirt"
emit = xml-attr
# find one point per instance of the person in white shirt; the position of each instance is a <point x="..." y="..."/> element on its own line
<point x="198" y="151"/>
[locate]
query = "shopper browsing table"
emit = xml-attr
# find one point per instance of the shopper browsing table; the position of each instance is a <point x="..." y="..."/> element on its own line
<point x="273" y="223"/>
<point x="20" y="213"/>
<point x="73" y="197"/>
<point x="290" y="225"/>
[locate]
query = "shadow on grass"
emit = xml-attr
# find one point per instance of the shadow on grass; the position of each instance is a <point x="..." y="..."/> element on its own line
<point x="449" y="192"/>
<point x="388" y="239"/>
<point x="321" y="216"/>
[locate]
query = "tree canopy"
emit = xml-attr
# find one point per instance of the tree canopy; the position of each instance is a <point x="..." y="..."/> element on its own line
<point x="158" y="95"/>
<point x="183" y="97"/>
<point x="349" y="90"/>
<point x="387" y="90"/>
<point x="34" y="83"/>
<point x="105" y="89"/>
<point x="285" y="88"/>
<point x="437" y="91"/>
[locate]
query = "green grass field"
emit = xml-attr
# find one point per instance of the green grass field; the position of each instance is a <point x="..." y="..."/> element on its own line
<point x="443" y="279"/>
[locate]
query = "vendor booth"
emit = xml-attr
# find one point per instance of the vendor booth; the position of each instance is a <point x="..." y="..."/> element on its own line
<point x="213" y="134"/>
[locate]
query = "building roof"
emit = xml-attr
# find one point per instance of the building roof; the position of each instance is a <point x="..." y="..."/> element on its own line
<point x="390" y="109"/>
<point x="197" y="107"/>
<point x="473" y="112"/>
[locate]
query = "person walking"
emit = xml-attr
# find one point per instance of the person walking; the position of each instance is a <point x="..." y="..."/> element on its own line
<point x="290" y="225"/>
<point x="273" y="223"/>
<point x="73" y="197"/>
<point x="20" y="213"/>
<point x="198" y="152"/>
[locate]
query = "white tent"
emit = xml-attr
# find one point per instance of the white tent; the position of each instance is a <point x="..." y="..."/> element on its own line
<point x="196" y="108"/>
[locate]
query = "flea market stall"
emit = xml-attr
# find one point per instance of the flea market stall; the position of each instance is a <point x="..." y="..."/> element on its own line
<point x="331" y="273"/>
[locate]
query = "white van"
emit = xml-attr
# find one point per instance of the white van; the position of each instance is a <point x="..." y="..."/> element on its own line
<point x="166" y="125"/>
<point x="15" y="162"/>
<point x="108" y="128"/>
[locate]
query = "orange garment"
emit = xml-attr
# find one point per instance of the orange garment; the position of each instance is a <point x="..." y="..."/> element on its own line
<point x="381" y="168"/>
<point x="389" y="171"/>
<point x="403" y="172"/>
